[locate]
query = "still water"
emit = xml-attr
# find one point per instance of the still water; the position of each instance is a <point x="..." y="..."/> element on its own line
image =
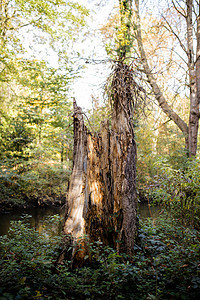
<point x="145" y="211"/>
<point x="38" y="216"/>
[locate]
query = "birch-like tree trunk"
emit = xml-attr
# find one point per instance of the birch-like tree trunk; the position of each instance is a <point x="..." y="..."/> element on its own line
<point x="193" y="81"/>
<point x="198" y="56"/>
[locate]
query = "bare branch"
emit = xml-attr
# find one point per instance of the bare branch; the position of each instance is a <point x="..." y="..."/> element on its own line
<point x="153" y="83"/>
<point x="170" y="29"/>
<point x="178" y="10"/>
<point x="160" y="126"/>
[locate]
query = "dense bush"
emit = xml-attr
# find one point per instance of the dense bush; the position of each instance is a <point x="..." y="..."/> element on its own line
<point x="37" y="183"/>
<point x="165" y="265"/>
<point x="177" y="187"/>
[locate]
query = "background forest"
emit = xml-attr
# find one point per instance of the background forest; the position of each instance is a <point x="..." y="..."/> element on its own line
<point x="42" y="58"/>
<point x="35" y="108"/>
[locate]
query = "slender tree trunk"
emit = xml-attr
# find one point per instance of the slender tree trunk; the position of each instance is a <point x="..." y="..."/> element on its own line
<point x="198" y="57"/>
<point x="198" y="62"/>
<point x="193" y="82"/>
<point x="61" y="157"/>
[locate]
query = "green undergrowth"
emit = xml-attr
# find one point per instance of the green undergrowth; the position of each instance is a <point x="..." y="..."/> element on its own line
<point x="36" y="184"/>
<point x="165" y="265"/>
<point x="176" y="187"/>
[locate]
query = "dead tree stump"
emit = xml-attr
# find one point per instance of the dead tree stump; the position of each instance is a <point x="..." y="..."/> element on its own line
<point x="102" y="194"/>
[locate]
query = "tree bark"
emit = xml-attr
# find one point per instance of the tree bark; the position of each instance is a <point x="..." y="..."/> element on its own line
<point x="74" y="215"/>
<point x="193" y="77"/>
<point x="123" y="160"/>
<point x="102" y="195"/>
<point x="198" y="57"/>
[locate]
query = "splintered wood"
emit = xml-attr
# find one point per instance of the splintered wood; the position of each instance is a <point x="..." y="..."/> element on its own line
<point x="102" y="195"/>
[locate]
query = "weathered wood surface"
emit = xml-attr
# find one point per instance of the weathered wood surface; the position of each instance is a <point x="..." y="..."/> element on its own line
<point x="75" y="223"/>
<point x="102" y="195"/>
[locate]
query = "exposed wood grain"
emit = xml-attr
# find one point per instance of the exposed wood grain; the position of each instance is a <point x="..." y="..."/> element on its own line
<point x="102" y="195"/>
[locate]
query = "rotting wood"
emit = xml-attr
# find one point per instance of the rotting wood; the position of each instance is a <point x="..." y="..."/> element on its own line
<point x="102" y="194"/>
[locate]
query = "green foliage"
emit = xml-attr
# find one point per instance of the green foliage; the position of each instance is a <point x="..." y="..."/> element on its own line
<point x="35" y="123"/>
<point x="169" y="253"/>
<point x="36" y="184"/>
<point x="118" y="32"/>
<point x="177" y="187"/>
<point x="25" y="24"/>
<point x="36" y="138"/>
<point x="27" y="257"/>
<point x="165" y="265"/>
<point x="46" y="183"/>
<point x="15" y="137"/>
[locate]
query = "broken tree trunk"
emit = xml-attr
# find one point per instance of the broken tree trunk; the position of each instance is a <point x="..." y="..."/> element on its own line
<point x="102" y="195"/>
<point x="74" y="216"/>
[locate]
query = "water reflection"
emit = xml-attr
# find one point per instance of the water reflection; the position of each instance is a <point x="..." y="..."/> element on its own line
<point x="145" y="211"/>
<point x="38" y="216"/>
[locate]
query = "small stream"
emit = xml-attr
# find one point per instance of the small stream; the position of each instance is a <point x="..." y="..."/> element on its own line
<point x="38" y="215"/>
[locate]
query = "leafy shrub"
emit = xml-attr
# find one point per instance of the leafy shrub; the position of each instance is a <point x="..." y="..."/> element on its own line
<point x="45" y="182"/>
<point x="169" y="253"/>
<point x="178" y="190"/>
<point x="27" y="258"/>
<point x="165" y="265"/>
<point x="36" y="183"/>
